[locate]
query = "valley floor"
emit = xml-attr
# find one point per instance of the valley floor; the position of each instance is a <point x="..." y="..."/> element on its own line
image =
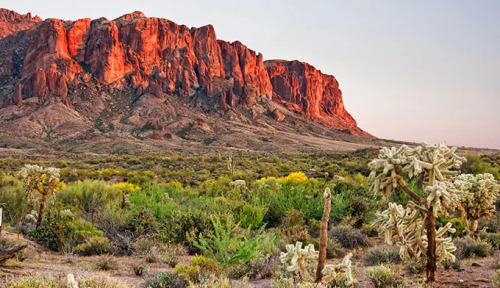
<point x="49" y="264"/>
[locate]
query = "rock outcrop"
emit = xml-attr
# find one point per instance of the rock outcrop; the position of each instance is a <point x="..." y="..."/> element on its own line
<point x="12" y="22"/>
<point x="305" y="90"/>
<point x="62" y="59"/>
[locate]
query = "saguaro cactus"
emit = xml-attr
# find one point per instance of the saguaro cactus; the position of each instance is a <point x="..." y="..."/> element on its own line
<point x="42" y="180"/>
<point x="414" y="227"/>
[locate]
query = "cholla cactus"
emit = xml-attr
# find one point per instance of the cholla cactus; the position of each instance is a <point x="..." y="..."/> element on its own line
<point x="42" y="180"/>
<point x="71" y="281"/>
<point x="230" y="162"/>
<point x="238" y="183"/>
<point x="479" y="197"/>
<point x="414" y="227"/>
<point x="330" y="271"/>
<point x="296" y="257"/>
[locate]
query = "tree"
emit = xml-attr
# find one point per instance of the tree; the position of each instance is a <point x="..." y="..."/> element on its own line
<point x="478" y="200"/>
<point x="42" y="180"/>
<point x="414" y="227"/>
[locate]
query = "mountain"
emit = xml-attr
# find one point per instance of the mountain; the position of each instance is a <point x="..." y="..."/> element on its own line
<point x="139" y="80"/>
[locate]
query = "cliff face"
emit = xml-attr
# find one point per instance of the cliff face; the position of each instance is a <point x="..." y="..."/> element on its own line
<point x="157" y="56"/>
<point x="12" y="22"/>
<point x="305" y="90"/>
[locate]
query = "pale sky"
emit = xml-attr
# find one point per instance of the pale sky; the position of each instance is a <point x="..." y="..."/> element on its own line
<point x="408" y="70"/>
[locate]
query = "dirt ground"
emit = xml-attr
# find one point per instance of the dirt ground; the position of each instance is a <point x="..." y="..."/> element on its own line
<point x="41" y="261"/>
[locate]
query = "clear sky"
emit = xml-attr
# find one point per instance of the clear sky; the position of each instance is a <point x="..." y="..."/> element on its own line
<point x="409" y="70"/>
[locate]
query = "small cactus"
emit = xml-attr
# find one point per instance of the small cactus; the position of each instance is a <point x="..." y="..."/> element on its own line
<point x="296" y="256"/>
<point x="42" y="180"/>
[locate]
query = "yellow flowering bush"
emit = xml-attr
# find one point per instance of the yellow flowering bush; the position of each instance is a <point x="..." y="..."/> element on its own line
<point x="125" y="186"/>
<point x="293" y="178"/>
<point x="173" y="184"/>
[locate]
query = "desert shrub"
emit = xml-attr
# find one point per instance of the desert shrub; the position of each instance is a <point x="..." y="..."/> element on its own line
<point x="369" y="230"/>
<point x="165" y="280"/>
<point x="55" y="231"/>
<point x="186" y="221"/>
<point x="96" y="245"/>
<point x="105" y="263"/>
<point x="139" y="270"/>
<point x="491" y="224"/>
<point x="496" y="259"/>
<point x="12" y="192"/>
<point x="200" y="267"/>
<point x="492" y="238"/>
<point x="264" y="267"/>
<point x="215" y="188"/>
<point x="142" y="222"/>
<point x="469" y="248"/>
<point x="292" y="196"/>
<point x="382" y="276"/>
<point x="229" y="244"/>
<point x="376" y="256"/>
<point x="90" y="197"/>
<point x="476" y="164"/>
<point x="84" y="230"/>
<point x="348" y="237"/>
<point x="496" y="279"/>
<point x="413" y="266"/>
<point x="152" y="198"/>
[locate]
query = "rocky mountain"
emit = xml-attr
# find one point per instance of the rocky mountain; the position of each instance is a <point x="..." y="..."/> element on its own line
<point x="137" y="78"/>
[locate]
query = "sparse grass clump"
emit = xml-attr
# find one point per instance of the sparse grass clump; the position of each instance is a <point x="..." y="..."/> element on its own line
<point x="165" y="280"/>
<point x="105" y="263"/>
<point x="89" y="282"/>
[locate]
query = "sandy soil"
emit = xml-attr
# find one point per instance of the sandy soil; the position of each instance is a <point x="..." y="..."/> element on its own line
<point x="39" y="260"/>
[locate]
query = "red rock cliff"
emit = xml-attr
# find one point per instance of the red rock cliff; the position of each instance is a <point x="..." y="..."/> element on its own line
<point x="305" y="90"/>
<point x="158" y="56"/>
<point x="12" y="22"/>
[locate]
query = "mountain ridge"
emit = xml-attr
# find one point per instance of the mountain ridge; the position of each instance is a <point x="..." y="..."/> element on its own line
<point x="112" y="77"/>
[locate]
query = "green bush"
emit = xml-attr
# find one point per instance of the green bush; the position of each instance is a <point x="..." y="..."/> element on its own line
<point x="229" y="244"/>
<point x="89" y="197"/>
<point x="55" y="231"/>
<point x="96" y="245"/>
<point x="142" y="222"/>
